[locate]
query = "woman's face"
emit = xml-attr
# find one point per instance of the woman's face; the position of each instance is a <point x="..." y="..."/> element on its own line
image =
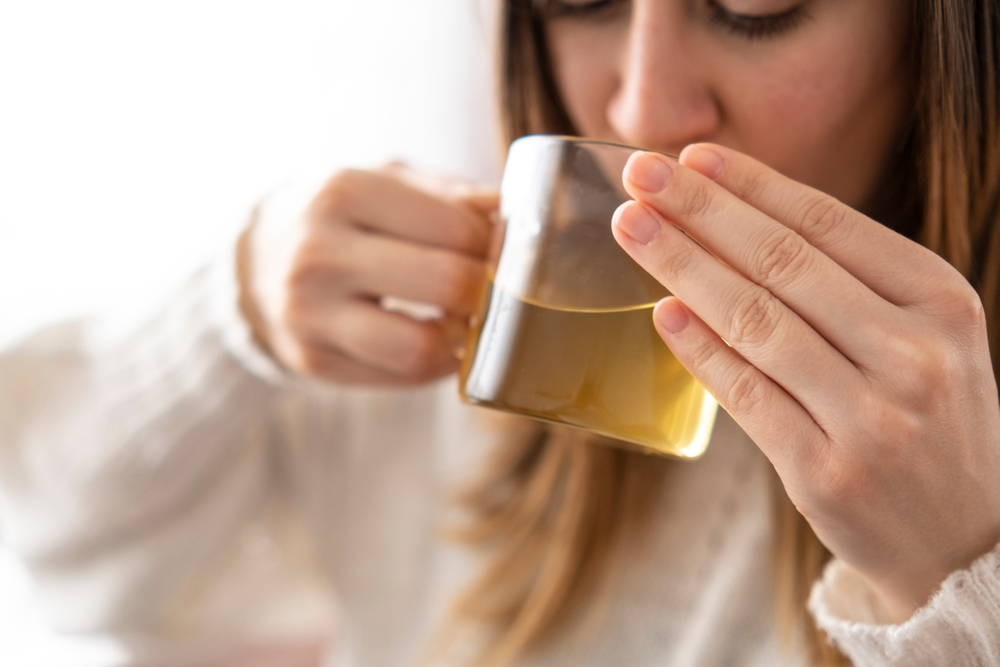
<point x="817" y="89"/>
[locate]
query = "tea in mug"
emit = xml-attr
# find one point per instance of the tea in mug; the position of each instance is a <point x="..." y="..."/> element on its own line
<point x="605" y="370"/>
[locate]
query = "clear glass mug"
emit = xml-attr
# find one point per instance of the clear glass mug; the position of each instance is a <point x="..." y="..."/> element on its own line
<point x="565" y="332"/>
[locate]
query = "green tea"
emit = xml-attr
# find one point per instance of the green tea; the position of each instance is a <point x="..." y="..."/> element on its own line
<point x="607" y="371"/>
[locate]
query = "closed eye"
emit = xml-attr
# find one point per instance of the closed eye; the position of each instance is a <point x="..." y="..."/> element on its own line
<point x="560" y="9"/>
<point x="757" y="26"/>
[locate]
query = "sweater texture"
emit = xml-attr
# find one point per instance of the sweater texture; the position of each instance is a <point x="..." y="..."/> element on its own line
<point x="166" y="482"/>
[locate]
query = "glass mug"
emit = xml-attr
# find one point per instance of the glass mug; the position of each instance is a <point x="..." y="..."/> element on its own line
<point x="565" y="332"/>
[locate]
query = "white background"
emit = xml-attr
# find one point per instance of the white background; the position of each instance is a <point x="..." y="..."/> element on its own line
<point x="135" y="135"/>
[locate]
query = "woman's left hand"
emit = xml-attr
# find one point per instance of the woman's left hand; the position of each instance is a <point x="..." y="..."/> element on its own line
<point x="857" y="359"/>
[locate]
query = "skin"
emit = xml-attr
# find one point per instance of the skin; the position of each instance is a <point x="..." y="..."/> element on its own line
<point x="822" y="103"/>
<point x="316" y="264"/>
<point x="858" y="359"/>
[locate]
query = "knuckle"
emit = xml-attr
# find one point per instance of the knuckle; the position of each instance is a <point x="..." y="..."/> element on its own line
<point x="676" y="260"/>
<point x="746" y="392"/>
<point x="922" y="369"/>
<point x="754" y="185"/>
<point x="755" y="320"/>
<point x="823" y="220"/>
<point x="394" y="168"/>
<point x="697" y="200"/>
<point x="339" y="191"/>
<point x="783" y="257"/>
<point x="967" y="307"/>
<point x="308" y="264"/>
<point x="702" y="355"/>
<point x="319" y="255"/>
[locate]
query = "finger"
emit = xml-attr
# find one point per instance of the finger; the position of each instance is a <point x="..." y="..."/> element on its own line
<point x="386" y="341"/>
<point x="387" y="204"/>
<point x="327" y="363"/>
<point x="368" y="264"/>
<point x="485" y="203"/>
<point x="783" y="430"/>
<point x="479" y="199"/>
<point x="828" y="298"/>
<point x="879" y="257"/>
<point x="757" y="325"/>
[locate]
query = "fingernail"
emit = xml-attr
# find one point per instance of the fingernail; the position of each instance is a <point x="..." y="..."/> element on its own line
<point x="636" y="222"/>
<point x="703" y="160"/>
<point x="671" y="315"/>
<point x="648" y="171"/>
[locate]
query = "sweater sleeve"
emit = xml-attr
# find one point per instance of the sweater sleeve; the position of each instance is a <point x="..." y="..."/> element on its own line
<point x="960" y="625"/>
<point x="132" y="457"/>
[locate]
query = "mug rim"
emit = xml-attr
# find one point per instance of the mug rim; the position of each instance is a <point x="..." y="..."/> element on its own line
<point x="571" y="139"/>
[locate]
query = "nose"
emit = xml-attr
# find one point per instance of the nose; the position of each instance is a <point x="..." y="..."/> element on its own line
<point x="664" y="100"/>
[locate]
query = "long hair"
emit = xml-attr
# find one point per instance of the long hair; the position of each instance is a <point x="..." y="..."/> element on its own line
<point x="551" y="510"/>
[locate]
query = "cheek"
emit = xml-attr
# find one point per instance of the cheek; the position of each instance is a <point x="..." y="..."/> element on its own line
<point x="794" y="104"/>
<point x="827" y="119"/>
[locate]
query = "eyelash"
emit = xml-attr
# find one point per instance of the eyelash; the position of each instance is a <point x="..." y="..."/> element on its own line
<point x="553" y="9"/>
<point x="748" y="26"/>
<point x="757" y="27"/>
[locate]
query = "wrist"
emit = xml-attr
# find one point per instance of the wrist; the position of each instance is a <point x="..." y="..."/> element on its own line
<point x="900" y="602"/>
<point x="906" y="591"/>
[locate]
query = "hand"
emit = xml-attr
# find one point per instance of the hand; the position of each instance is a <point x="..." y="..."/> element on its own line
<point x="858" y="363"/>
<point x="315" y="268"/>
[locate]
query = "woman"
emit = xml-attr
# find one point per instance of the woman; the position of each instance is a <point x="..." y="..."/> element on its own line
<point x="855" y="364"/>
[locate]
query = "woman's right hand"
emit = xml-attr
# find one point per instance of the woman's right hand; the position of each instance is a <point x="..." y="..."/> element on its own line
<point x="315" y="269"/>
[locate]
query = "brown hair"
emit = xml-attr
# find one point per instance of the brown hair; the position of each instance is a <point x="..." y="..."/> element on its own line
<point x="552" y="510"/>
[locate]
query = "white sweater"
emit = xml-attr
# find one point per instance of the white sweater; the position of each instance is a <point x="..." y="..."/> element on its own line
<point x="172" y="486"/>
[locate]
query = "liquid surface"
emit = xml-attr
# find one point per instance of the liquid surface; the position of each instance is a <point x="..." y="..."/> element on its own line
<point x="604" y="370"/>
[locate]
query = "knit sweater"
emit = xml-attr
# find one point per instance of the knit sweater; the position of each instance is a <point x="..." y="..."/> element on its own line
<point x="166" y="482"/>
